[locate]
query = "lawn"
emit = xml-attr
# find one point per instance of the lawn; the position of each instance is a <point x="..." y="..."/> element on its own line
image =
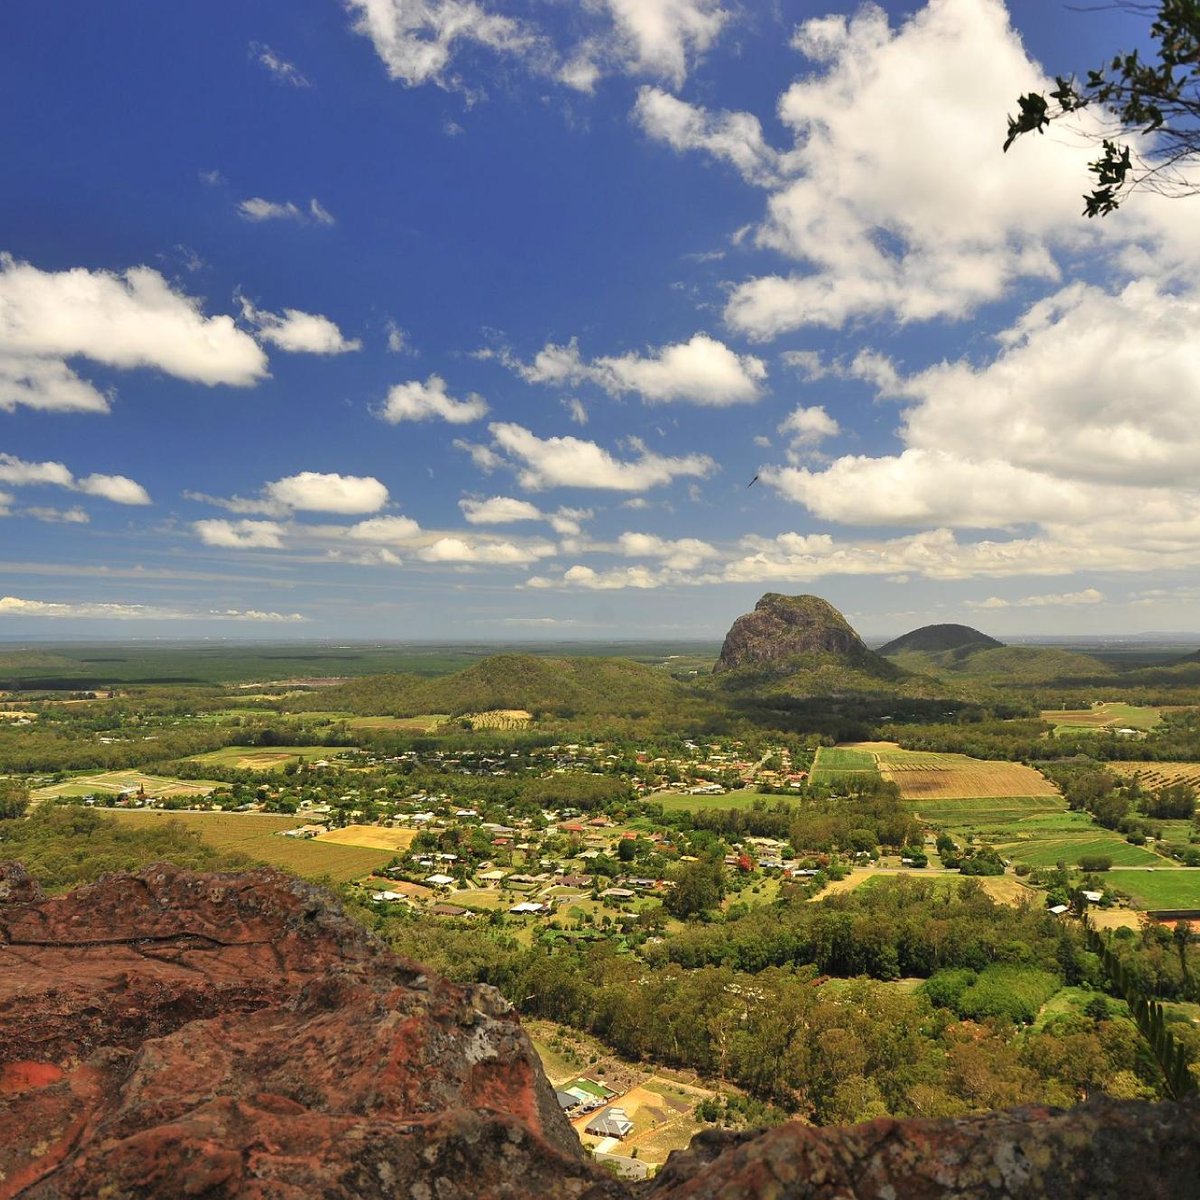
<point x="255" y="836"/>
<point x="259" y="758"/>
<point x="1152" y="890"/>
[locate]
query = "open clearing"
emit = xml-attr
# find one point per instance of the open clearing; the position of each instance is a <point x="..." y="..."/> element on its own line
<point x="1102" y="716"/>
<point x="114" y="782"/>
<point x="255" y="836"/>
<point x="1159" y="774"/>
<point x="1152" y="890"/>
<point x="259" y="758"/>
<point x="373" y="837"/>
<point x="1004" y="889"/>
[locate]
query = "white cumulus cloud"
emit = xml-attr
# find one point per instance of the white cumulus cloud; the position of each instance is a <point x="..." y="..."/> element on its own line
<point x="416" y="401"/>
<point x="571" y="462"/>
<point x="240" y="535"/>
<point x="129" y="320"/>
<point x="701" y="371"/>
<point x="315" y="491"/>
<point x="298" y="332"/>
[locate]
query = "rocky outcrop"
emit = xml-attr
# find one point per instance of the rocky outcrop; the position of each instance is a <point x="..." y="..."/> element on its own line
<point x="166" y="1035"/>
<point x="784" y="632"/>
<point x="937" y="638"/>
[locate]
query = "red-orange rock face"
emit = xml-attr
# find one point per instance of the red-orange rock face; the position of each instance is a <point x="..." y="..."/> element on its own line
<point x="168" y="1035"/>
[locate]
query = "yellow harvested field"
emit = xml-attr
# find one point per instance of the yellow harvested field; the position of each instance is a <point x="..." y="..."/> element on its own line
<point x="924" y="775"/>
<point x="374" y="837"/>
<point x="1159" y="774"/>
<point x="1005" y="889"/>
<point x="1116" y="918"/>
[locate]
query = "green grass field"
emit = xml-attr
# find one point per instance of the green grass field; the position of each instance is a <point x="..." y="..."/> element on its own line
<point x="990" y="812"/>
<point x="675" y="802"/>
<point x="427" y="723"/>
<point x="834" y="763"/>
<point x="1046" y="851"/>
<point x="1161" y="888"/>
<point x="261" y="758"/>
<point x="255" y="836"/>
<point x="114" y="782"/>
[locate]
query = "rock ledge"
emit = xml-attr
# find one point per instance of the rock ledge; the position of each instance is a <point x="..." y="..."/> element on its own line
<point x="166" y="1034"/>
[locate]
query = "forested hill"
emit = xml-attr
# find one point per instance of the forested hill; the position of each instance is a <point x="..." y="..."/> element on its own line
<point x="934" y="638"/>
<point x="560" y="687"/>
<point x="1003" y="665"/>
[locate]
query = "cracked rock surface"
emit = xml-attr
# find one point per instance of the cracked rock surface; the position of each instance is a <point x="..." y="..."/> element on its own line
<point x="167" y="1034"/>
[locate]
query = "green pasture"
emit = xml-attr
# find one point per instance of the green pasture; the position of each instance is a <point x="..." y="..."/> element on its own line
<point x="114" y="782"/>
<point x="992" y="812"/>
<point x="841" y="758"/>
<point x="427" y="723"/>
<point x="256" y="836"/>
<point x="1048" y="850"/>
<point x="1161" y="888"/>
<point x="745" y="798"/>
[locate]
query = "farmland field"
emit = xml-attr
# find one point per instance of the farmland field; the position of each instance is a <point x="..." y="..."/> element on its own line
<point x="923" y="775"/>
<point x="428" y="723"/>
<point x="1161" y="888"/>
<point x="833" y="764"/>
<point x="259" y="758"/>
<point x="254" y="835"/>
<point x="373" y="837"/>
<point x="1102" y="716"/>
<point x="1159" y="774"/>
<point x="114" y="782"/>
<point x="992" y="812"/>
<point x="500" y="718"/>
<point x="1046" y="851"/>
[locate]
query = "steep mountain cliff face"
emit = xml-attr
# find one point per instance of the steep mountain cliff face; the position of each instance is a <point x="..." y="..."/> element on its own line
<point x="167" y="1035"/>
<point x="784" y="633"/>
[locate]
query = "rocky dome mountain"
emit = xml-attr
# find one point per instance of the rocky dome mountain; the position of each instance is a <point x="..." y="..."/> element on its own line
<point x="785" y="634"/>
<point x="934" y="638"/>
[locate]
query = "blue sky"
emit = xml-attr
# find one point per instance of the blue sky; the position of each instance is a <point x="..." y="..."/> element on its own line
<point x="475" y="318"/>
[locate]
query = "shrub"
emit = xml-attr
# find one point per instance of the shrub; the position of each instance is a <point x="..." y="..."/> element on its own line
<point x="1004" y="990"/>
<point x="1095" y="862"/>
